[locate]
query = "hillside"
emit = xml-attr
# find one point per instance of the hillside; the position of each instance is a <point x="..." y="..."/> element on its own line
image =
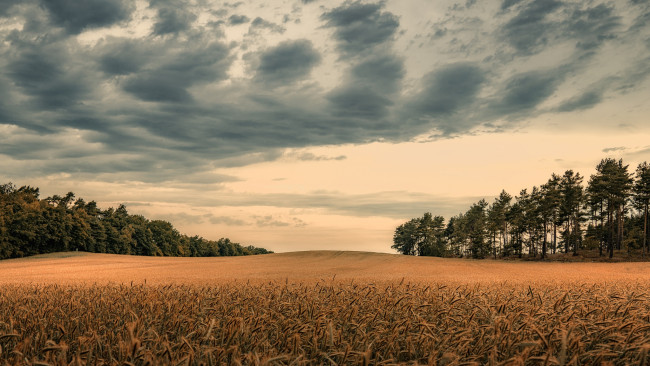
<point x="310" y="266"/>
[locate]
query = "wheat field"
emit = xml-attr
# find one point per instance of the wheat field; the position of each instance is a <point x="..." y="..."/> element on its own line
<point x="313" y="308"/>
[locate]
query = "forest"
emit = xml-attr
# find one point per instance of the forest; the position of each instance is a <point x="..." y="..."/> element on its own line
<point x="563" y="215"/>
<point x="30" y="225"/>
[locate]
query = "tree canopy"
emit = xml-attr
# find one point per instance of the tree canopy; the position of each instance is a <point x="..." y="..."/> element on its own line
<point x="30" y="225"/>
<point x="561" y="215"/>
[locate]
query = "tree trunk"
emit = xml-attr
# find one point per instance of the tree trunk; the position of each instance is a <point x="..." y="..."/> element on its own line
<point x="600" y="234"/>
<point x="645" y="227"/>
<point x="544" y="242"/>
<point x="622" y="227"/>
<point x="610" y="234"/>
<point x="568" y="238"/>
<point x="618" y="228"/>
<point x="576" y="241"/>
<point x="554" y="237"/>
<point x="505" y="234"/>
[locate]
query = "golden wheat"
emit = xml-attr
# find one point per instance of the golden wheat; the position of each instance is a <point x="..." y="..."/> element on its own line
<point x="325" y="322"/>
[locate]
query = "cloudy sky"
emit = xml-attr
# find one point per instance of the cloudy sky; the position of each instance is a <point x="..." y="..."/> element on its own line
<point x="315" y="124"/>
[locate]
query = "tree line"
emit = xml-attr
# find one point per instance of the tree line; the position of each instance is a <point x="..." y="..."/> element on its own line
<point x="560" y="216"/>
<point x="30" y="225"/>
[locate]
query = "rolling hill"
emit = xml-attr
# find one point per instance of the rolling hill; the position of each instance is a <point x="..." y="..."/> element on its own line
<point x="309" y="266"/>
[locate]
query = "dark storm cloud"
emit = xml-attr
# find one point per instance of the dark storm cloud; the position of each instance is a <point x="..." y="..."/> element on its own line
<point x="506" y="4"/>
<point x="5" y="5"/>
<point x="361" y="26"/>
<point x="159" y="87"/>
<point x="593" y="26"/>
<point x="529" y="29"/>
<point x="369" y="89"/>
<point x="287" y="62"/>
<point x="538" y="25"/>
<point x="583" y="101"/>
<point x="210" y="111"/>
<point x="173" y="20"/>
<point x="381" y="72"/>
<point x="259" y="23"/>
<point x="75" y="16"/>
<point x="523" y="92"/>
<point x="360" y="102"/>
<point x="122" y="56"/>
<point x="372" y="82"/>
<point x="169" y="80"/>
<point x="45" y="71"/>
<point x="238" y="19"/>
<point x="233" y="5"/>
<point x="449" y="89"/>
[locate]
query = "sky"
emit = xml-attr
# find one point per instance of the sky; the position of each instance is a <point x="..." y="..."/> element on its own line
<point x="314" y="124"/>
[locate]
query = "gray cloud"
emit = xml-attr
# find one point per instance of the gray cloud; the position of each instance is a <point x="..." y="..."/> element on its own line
<point x="47" y="73"/>
<point x="176" y="218"/>
<point x="75" y="16"/>
<point x="506" y="4"/>
<point x="157" y="87"/>
<point x="529" y="29"/>
<point x="391" y="204"/>
<point x="525" y="91"/>
<point x="215" y="220"/>
<point x="173" y="20"/>
<point x="612" y="149"/>
<point x="233" y="5"/>
<point x="538" y="25"/>
<point x="369" y="88"/>
<point x="583" y="101"/>
<point x="265" y="221"/>
<point x="449" y="88"/>
<point x="359" y="101"/>
<point x="148" y="106"/>
<point x="259" y="23"/>
<point x="592" y="26"/>
<point x="238" y="19"/>
<point x="361" y="26"/>
<point x="381" y="72"/>
<point x="122" y="56"/>
<point x="305" y="156"/>
<point x="6" y="5"/>
<point x="287" y="62"/>
<point x="170" y="79"/>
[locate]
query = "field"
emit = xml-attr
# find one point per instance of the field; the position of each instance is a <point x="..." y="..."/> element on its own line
<point x="320" y="308"/>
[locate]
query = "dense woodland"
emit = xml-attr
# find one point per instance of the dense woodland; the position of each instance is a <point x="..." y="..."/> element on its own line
<point x="563" y="215"/>
<point x="30" y="225"/>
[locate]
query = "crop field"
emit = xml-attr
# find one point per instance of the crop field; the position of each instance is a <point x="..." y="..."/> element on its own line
<point x="317" y="308"/>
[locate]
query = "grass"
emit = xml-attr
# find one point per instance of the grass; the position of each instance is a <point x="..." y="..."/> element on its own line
<point x="315" y="308"/>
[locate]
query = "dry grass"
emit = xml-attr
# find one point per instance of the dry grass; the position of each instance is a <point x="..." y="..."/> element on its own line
<point x="321" y="308"/>
<point x="85" y="268"/>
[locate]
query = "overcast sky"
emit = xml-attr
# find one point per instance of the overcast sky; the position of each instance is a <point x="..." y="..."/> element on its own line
<point x="314" y="124"/>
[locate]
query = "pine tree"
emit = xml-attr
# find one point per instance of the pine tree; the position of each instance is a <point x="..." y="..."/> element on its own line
<point x="612" y="184"/>
<point x="642" y="197"/>
<point x="571" y="201"/>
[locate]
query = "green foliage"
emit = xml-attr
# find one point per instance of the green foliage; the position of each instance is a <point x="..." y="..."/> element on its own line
<point x="421" y="236"/>
<point x="610" y="213"/>
<point x="30" y="225"/>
